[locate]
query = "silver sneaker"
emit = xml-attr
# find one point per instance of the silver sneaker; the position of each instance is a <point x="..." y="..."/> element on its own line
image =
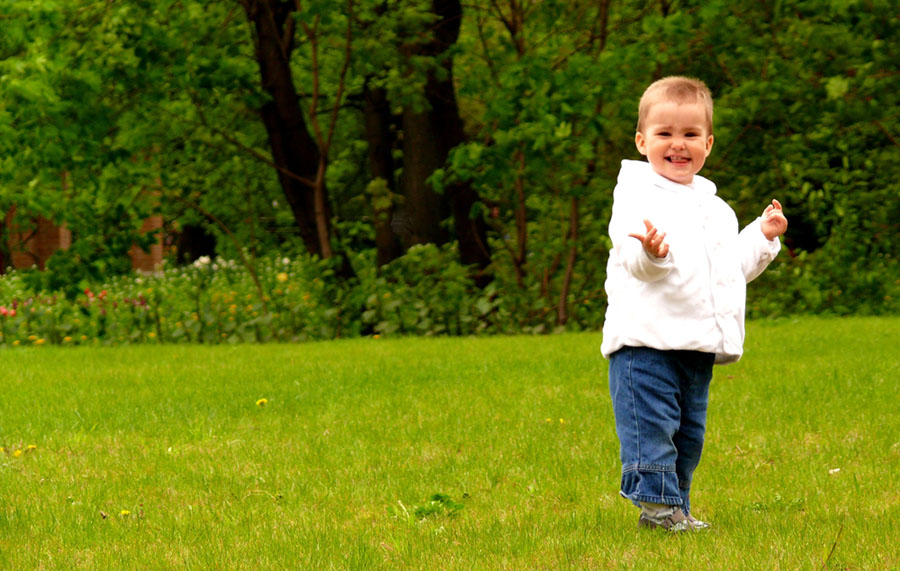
<point x="697" y="524"/>
<point x="676" y="522"/>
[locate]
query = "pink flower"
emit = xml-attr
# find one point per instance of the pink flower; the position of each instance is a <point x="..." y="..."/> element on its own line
<point x="3" y="310"/>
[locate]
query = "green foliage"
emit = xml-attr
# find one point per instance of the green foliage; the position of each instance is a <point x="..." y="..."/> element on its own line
<point x="438" y="505"/>
<point x="112" y="111"/>
<point x="426" y="292"/>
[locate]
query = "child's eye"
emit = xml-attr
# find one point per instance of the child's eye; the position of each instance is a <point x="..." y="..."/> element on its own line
<point x="663" y="134"/>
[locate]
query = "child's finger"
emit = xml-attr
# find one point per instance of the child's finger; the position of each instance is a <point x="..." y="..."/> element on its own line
<point x="777" y="204"/>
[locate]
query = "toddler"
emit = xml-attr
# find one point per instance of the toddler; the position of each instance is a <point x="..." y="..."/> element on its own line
<point x="676" y="285"/>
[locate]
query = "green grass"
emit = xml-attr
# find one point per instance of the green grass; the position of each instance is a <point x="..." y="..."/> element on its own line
<point x="802" y="462"/>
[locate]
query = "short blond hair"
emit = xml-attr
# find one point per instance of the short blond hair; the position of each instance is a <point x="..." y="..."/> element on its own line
<point x="680" y="90"/>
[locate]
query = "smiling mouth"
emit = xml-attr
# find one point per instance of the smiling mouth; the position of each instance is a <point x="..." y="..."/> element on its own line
<point x="678" y="160"/>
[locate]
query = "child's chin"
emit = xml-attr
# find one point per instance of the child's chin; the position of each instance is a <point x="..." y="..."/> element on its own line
<point x="680" y="178"/>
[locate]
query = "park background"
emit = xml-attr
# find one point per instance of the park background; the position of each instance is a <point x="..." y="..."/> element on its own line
<point x="335" y="169"/>
<point x="423" y="188"/>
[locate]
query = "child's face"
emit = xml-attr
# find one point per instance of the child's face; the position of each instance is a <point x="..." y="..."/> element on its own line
<point x="675" y="139"/>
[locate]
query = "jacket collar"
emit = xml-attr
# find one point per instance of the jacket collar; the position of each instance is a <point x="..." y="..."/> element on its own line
<point x="640" y="172"/>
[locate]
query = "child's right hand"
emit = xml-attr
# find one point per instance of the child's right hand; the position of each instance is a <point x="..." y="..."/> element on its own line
<point x="653" y="241"/>
<point x="774" y="224"/>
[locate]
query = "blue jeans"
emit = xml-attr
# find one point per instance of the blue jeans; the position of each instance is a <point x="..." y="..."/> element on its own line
<point x="660" y="400"/>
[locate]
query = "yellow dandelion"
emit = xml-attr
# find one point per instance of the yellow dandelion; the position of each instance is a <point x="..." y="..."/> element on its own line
<point x="124" y="513"/>
<point x="32" y="337"/>
<point x="548" y="420"/>
<point x="39" y="342"/>
<point x="376" y="336"/>
<point x="84" y="337"/>
<point x="151" y="335"/>
<point x="67" y="339"/>
<point x="16" y="343"/>
<point x="17" y="453"/>
<point x="31" y="447"/>
<point x="262" y="402"/>
<point x="282" y="277"/>
<point x="561" y="421"/>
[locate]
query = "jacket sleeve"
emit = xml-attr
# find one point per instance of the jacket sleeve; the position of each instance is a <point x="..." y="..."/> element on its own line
<point x="627" y="219"/>
<point x="757" y="251"/>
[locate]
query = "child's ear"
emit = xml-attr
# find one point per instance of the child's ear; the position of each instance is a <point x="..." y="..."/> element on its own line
<point x="709" y="144"/>
<point x="641" y="143"/>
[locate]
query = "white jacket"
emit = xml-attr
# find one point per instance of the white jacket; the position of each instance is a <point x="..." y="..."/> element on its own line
<point x="695" y="297"/>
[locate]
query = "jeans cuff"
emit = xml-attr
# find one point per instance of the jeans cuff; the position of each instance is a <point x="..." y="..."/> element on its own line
<point x="651" y="483"/>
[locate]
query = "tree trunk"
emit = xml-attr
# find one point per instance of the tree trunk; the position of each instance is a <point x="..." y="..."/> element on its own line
<point x="377" y="113"/>
<point x="293" y="149"/>
<point x="562" y="311"/>
<point x="428" y="137"/>
<point x="424" y="209"/>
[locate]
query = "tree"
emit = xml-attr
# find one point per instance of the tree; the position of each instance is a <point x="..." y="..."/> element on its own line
<point x="496" y="127"/>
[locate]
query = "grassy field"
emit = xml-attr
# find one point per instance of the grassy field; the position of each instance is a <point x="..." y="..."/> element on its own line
<point x="495" y="453"/>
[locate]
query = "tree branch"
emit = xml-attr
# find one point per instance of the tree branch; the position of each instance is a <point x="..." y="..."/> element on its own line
<point x="342" y="80"/>
<point x="887" y="134"/>
<point x="249" y="150"/>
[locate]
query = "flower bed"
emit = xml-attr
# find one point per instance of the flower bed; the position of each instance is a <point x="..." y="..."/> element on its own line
<point x="211" y="301"/>
<point x="218" y="301"/>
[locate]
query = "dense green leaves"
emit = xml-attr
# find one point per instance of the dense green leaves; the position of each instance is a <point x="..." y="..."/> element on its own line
<point x="111" y="111"/>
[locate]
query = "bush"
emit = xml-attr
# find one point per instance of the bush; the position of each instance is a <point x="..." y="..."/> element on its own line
<point x="425" y="292"/>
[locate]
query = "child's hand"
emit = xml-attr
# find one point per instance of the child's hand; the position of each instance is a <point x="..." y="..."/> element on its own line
<point x="773" y="223"/>
<point x="653" y="241"/>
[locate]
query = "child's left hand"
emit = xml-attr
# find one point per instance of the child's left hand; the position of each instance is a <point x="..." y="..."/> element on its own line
<point x="773" y="222"/>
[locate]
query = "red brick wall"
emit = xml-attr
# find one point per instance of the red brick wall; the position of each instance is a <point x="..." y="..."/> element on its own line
<point x="35" y="245"/>
<point x="148" y="261"/>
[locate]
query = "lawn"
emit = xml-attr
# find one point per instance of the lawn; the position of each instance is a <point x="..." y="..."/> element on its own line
<point x="452" y="453"/>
